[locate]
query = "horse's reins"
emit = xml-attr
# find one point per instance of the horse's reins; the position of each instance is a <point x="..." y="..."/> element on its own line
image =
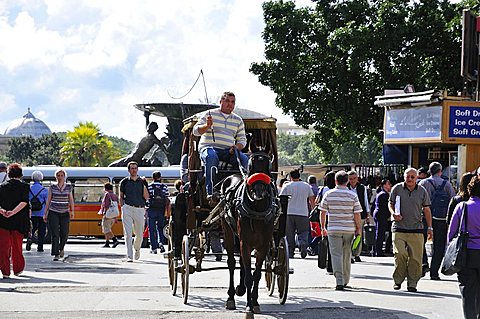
<point x="240" y="166"/>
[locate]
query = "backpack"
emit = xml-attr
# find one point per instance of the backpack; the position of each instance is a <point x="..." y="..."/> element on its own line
<point x="35" y="204"/>
<point x="157" y="198"/>
<point x="440" y="200"/>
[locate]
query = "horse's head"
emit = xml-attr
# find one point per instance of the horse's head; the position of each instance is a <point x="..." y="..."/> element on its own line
<point x="258" y="186"/>
<point x="259" y="163"/>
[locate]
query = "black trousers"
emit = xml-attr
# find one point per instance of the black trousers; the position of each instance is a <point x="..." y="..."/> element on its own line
<point x="439" y="244"/>
<point x="469" y="279"/>
<point x="381" y="225"/>
<point x="59" y="226"/>
<point x="39" y="225"/>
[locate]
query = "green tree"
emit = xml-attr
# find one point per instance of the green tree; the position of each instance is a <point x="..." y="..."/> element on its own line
<point x="87" y="146"/>
<point x="29" y="151"/>
<point x="327" y="63"/>
<point x="122" y="145"/>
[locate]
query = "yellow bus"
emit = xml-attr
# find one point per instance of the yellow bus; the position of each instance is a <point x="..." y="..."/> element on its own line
<point x="88" y="191"/>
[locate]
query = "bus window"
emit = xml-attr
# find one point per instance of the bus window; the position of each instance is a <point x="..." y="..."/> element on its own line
<point x="88" y="190"/>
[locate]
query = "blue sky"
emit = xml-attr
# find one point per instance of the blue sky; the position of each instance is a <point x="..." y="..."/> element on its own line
<point x="90" y="60"/>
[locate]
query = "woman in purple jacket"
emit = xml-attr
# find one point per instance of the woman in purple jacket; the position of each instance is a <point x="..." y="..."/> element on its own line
<point x="469" y="277"/>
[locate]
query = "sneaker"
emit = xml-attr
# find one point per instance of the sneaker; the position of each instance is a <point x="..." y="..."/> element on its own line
<point x="137" y="254"/>
<point x="153" y="251"/>
<point x="6" y="277"/>
<point x="115" y="243"/>
<point x="18" y="273"/>
<point x="339" y="287"/>
<point x="303" y="250"/>
<point x="357" y="259"/>
<point x="397" y="286"/>
<point x="128" y="260"/>
<point x="352" y="260"/>
<point x="162" y="249"/>
<point x="411" y="289"/>
<point x="61" y="253"/>
<point x="28" y="247"/>
<point x="56" y="258"/>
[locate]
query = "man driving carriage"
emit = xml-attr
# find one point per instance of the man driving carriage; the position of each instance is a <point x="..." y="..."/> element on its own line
<point x="221" y="131"/>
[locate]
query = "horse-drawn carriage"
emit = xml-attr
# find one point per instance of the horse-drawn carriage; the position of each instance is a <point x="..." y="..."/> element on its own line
<point x="247" y="208"/>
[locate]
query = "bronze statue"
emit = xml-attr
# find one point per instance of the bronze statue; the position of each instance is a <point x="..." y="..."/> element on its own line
<point x="142" y="148"/>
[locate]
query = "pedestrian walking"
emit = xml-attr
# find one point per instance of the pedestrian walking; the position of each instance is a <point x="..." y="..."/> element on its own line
<point x="109" y="199"/>
<point x="408" y="203"/>
<point x="157" y="204"/>
<point x="14" y="221"/>
<point x="469" y="276"/>
<point x="59" y="209"/>
<point x="344" y="222"/>
<point x="355" y="186"/>
<point x="381" y="215"/>
<point x="38" y="199"/>
<point x="133" y="194"/>
<point x="440" y="192"/>
<point x="300" y="194"/>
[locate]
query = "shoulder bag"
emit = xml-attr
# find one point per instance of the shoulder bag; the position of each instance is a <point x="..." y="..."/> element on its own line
<point x="112" y="211"/>
<point x="456" y="255"/>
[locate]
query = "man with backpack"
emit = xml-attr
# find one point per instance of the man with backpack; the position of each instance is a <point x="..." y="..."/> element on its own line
<point x="440" y="192"/>
<point x="38" y="197"/>
<point x="156" y="207"/>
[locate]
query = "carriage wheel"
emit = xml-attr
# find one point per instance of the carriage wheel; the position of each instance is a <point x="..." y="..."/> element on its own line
<point x="283" y="270"/>
<point x="172" y="262"/>
<point x="270" y="276"/>
<point x="185" y="268"/>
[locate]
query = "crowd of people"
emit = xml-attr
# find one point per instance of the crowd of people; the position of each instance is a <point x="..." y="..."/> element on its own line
<point x="420" y="206"/>
<point x="406" y="213"/>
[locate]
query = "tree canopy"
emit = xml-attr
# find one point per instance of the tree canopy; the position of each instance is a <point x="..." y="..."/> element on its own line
<point x="327" y="63"/>
<point x="86" y="145"/>
<point x="29" y="151"/>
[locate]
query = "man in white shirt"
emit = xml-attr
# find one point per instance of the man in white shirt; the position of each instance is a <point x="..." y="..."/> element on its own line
<point x="297" y="212"/>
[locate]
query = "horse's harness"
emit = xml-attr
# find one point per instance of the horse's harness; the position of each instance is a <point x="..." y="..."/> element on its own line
<point x="242" y="198"/>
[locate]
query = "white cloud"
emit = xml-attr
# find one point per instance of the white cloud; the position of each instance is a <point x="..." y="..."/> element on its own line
<point x="22" y="44"/>
<point x="93" y="60"/>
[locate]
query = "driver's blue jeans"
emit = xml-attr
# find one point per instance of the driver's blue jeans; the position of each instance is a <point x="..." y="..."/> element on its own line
<point x="212" y="156"/>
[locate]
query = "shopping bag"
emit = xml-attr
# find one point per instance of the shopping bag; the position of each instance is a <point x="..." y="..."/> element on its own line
<point x="456" y="255"/>
<point x="356" y="245"/>
<point x="369" y="234"/>
<point x="322" y="252"/>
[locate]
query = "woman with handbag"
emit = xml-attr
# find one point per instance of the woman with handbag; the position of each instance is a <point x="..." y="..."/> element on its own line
<point x="59" y="209"/>
<point x="469" y="275"/>
<point x="462" y="195"/>
<point x="109" y="210"/>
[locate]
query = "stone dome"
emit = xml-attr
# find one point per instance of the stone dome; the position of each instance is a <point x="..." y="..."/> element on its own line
<point x="28" y="125"/>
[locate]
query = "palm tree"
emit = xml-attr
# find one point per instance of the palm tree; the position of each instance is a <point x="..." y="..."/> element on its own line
<point x="87" y="146"/>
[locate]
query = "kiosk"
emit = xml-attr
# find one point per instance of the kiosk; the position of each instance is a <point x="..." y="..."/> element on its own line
<point x="423" y="127"/>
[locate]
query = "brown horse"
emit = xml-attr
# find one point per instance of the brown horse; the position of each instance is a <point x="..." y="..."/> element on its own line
<point x="250" y="210"/>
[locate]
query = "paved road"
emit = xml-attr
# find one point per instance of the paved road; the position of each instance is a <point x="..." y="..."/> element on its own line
<point x="93" y="282"/>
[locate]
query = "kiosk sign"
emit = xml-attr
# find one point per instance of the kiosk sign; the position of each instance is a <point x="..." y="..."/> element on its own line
<point x="464" y="122"/>
<point x="417" y="123"/>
